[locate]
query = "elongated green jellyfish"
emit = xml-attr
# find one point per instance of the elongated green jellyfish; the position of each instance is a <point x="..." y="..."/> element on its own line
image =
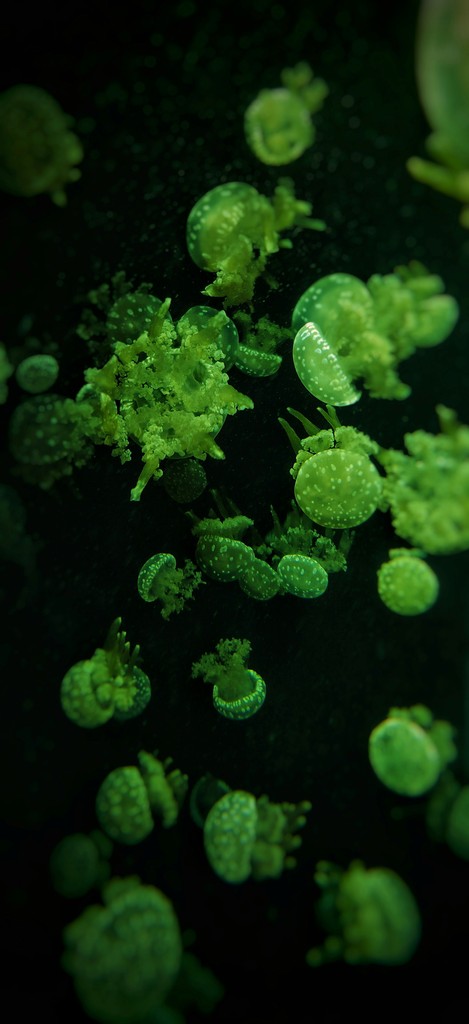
<point x="302" y="576"/>
<point x="370" y="913"/>
<point x="130" y="797"/>
<point x="238" y="692"/>
<point x="406" y="584"/>
<point x="409" y="750"/>
<point x="442" y="62"/>
<point x="259" y="580"/>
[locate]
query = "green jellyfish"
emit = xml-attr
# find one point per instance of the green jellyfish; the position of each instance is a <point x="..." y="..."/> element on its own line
<point x="131" y="315"/>
<point x="238" y="692"/>
<point x="159" y="579"/>
<point x="442" y="60"/>
<point x="124" y="957"/>
<point x="370" y="913"/>
<point x="339" y="487"/>
<point x="184" y="480"/>
<point x="302" y="576"/>
<point x="277" y="124"/>
<point x="109" y="684"/>
<point x="38" y="152"/>
<point x="37" y="373"/>
<point x="406" y="584"/>
<point x="247" y="837"/>
<point x="447" y="814"/>
<point x="233" y="229"/>
<point x="409" y="750"/>
<point x="79" y="863"/>
<point x="223" y="558"/>
<point x="130" y="797"/>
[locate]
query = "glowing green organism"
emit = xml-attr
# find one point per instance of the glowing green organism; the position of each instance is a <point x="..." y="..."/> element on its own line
<point x="124" y="957"/>
<point x="159" y="579"/>
<point x="167" y="391"/>
<point x="302" y="576"/>
<point x="427" y="489"/>
<point x="336" y="484"/>
<point x="370" y="913"/>
<point x="37" y="373"/>
<point x="238" y="691"/>
<point x="409" y="750"/>
<point x="38" y="152"/>
<point x="296" y="536"/>
<point x="406" y="584"/>
<point x="107" y="685"/>
<point x="49" y="435"/>
<point x="248" y="837"/>
<point x="79" y="863"/>
<point x="259" y="580"/>
<point x="233" y="229"/>
<point x="184" y="480"/>
<point x="277" y="124"/>
<point x="130" y="316"/>
<point x="442" y="62"/>
<point x="447" y="815"/>
<point x="346" y="331"/>
<point x="129" y="797"/>
<point x="223" y="558"/>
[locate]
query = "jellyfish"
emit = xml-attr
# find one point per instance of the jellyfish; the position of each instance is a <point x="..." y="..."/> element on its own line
<point x="38" y="152"/>
<point x="409" y="750"/>
<point x="247" y="837"/>
<point x="79" y="863"/>
<point x="277" y="124"/>
<point x="159" y="579"/>
<point x="338" y="489"/>
<point x="442" y="62"/>
<point x="370" y="913"/>
<point x="302" y="576"/>
<point x="129" y="798"/>
<point x="406" y="584"/>
<point x="238" y="692"/>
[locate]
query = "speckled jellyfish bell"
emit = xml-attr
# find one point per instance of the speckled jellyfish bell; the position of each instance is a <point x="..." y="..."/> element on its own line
<point x="320" y="320"/>
<point x="338" y="489"/>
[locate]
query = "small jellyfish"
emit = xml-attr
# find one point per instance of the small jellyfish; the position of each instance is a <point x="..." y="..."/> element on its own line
<point x="130" y="797"/>
<point x="130" y="315"/>
<point x="259" y="580"/>
<point x="409" y="750"/>
<point x="37" y="373"/>
<point x="338" y="489"/>
<point x="238" y="692"/>
<point x="80" y="862"/>
<point x="406" y="584"/>
<point x="302" y="576"/>
<point x="223" y="558"/>
<point x="277" y="124"/>
<point x="38" y="152"/>
<point x="184" y="480"/>
<point x="159" y="579"/>
<point x="227" y="338"/>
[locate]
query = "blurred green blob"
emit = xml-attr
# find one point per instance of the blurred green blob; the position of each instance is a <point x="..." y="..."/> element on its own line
<point x="37" y="373"/>
<point x="159" y="579"/>
<point x="406" y="584"/>
<point x="184" y="480"/>
<point x="409" y="750"/>
<point x="79" y="863"/>
<point x="130" y="797"/>
<point x="277" y="124"/>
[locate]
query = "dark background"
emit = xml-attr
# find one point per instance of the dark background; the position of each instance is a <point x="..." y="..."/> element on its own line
<point x="159" y="99"/>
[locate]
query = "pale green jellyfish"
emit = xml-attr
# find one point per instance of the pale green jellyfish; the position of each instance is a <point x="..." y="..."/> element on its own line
<point x="406" y="584"/>
<point x="370" y="913"/>
<point x="124" y="957"/>
<point x="442" y="62"/>
<point x="245" y="836"/>
<point x="338" y="489"/>
<point x="109" y="684"/>
<point x="203" y="317"/>
<point x="238" y="692"/>
<point x="79" y="863"/>
<point x="233" y="229"/>
<point x="159" y="579"/>
<point x="222" y="558"/>
<point x="409" y="750"/>
<point x="277" y="124"/>
<point x="129" y="797"/>
<point x="37" y="373"/>
<point x="302" y="576"/>
<point x="259" y="580"/>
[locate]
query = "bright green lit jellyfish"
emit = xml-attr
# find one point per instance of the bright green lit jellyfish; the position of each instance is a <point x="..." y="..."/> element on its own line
<point x="38" y="152"/>
<point x="160" y="580"/>
<point x="302" y="576"/>
<point x="233" y="229"/>
<point x="129" y="797"/>
<point x="238" y="691"/>
<point x="201" y="317"/>
<point x="370" y="914"/>
<point x="406" y="584"/>
<point x="259" y="580"/>
<point x="223" y="558"/>
<point x="336" y="484"/>
<point x="427" y="489"/>
<point x="124" y="957"/>
<point x="37" y="373"/>
<point x="107" y="685"/>
<point x="247" y="837"/>
<point x="348" y="331"/>
<point x="442" y="61"/>
<point x="409" y="750"/>
<point x="79" y="863"/>
<point x="277" y="124"/>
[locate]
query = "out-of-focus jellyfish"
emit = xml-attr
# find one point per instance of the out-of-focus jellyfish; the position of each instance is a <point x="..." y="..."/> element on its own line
<point x="130" y="797"/>
<point x="37" y="373"/>
<point x="79" y="863"/>
<point x="6" y="370"/>
<point x="406" y="584"/>
<point x="442" y="69"/>
<point x="184" y="480"/>
<point x="370" y="914"/>
<point x="447" y="815"/>
<point x="124" y="957"/>
<point x="277" y="124"/>
<point x="238" y="691"/>
<point x="159" y="579"/>
<point x="38" y="152"/>
<point x="204" y="794"/>
<point x="409" y="750"/>
<point x="109" y="684"/>
<point x="247" y="837"/>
